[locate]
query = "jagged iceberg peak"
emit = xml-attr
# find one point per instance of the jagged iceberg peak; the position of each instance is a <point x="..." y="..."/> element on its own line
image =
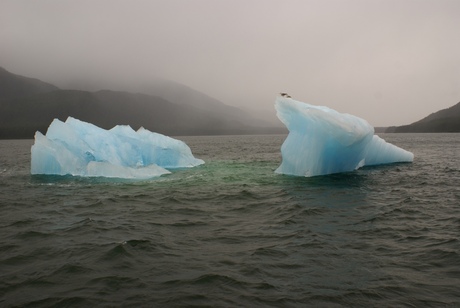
<point x="78" y="148"/>
<point x="323" y="141"/>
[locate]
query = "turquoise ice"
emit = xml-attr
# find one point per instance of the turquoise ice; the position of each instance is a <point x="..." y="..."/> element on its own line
<point x="78" y="148"/>
<point x="323" y="141"/>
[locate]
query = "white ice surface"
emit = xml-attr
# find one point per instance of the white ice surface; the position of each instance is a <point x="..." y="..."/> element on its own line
<point x="78" y="148"/>
<point x="323" y="141"/>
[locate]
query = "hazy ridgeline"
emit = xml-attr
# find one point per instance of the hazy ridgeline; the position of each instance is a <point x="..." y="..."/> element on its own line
<point x="28" y="105"/>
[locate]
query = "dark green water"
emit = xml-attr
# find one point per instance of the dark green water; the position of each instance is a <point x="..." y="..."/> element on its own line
<point x="232" y="233"/>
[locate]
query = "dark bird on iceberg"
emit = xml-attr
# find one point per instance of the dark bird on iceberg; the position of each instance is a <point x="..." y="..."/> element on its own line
<point x="285" y="95"/>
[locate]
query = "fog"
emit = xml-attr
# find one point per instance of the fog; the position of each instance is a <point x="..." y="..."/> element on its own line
<point x="390" y="62"/>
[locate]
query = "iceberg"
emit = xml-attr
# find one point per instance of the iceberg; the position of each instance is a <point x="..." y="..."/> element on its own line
<point x="78" y="148"/>
<point x="323" y="141"/>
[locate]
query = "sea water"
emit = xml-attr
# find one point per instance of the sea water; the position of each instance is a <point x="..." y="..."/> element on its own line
<point x="233" y="233"/>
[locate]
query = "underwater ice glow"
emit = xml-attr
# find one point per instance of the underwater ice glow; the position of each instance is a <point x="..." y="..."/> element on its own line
<point x="323" y="141"/>
<point x="78" y="148"/>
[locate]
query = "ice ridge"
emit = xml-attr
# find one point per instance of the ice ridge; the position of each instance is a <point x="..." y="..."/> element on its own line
<point x="323" y="141"/>
<point x="78" y="148"/>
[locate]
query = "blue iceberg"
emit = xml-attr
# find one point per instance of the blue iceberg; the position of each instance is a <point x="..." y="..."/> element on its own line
<point x="78" y="148"/>
<point x="323" y="141"/>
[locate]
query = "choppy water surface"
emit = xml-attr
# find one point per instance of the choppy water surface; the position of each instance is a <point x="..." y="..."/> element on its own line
<point x="233" y="233"/>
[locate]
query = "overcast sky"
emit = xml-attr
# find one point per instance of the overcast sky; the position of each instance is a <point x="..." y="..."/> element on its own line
<point x="390" y="62"/>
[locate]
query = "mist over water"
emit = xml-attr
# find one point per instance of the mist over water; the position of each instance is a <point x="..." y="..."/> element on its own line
<point x="234" y="233"/>
<point x="390" y="62"/>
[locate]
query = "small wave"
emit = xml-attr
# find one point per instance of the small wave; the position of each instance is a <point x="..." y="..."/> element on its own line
<point x="112" y="283"/>
<point x="172" y="199"/>
<point x="128" y="250"/>
<point x="33" y="235"/>
<point x="117" y="252"/>
<point x="74" y="301"/>
<point x="443" y="242"/>
<point x="221" y="280"/>
<point x="22" y="223"/>
<point x="72" y="269"/>
<point x="270" y="252"/>
<point x="441" y="257"/>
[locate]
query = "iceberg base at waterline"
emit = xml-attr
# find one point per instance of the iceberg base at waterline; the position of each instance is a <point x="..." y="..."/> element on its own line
<point x="323" y="141"/>
<point x="78" y="148"/>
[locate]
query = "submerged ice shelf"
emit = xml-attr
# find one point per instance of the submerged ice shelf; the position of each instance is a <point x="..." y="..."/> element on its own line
<point x="323" y="141"/>
<point x="78" y="148"/>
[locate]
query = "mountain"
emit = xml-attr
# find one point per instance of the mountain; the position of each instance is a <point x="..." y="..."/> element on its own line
<point x="23" y="112"/>
<point x="186" y="96"/>
<point x="179" y="94"/>
<point x="12" y="85"/>
<point x="443" y="121"/>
